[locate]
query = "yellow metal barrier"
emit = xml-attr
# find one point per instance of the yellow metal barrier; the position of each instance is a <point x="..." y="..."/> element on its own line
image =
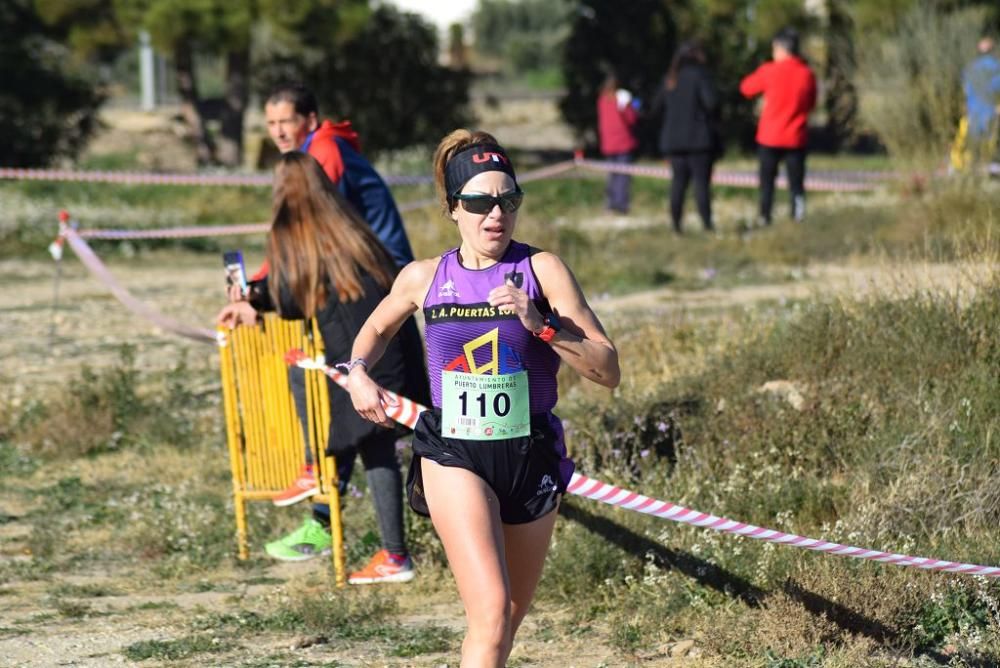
<point x="266" y="447"/>
<point x="960" y="156"/>
<point x="965" y="153"/>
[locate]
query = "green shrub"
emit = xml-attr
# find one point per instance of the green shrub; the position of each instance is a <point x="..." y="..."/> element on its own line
<point x="910" y="92"/>
<point x="108" y="410"/>
<point x="889" y="449"/>
<point x="175" y="650"/>
<point x="957" y="609"/>
<point x="327" y="613"/>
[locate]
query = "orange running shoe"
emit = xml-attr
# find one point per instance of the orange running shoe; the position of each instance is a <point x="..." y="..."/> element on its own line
<point x="384" y="567"/>
<point x="301" y="488"/>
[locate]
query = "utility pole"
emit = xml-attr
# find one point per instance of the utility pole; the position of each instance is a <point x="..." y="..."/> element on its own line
<point x="147" y="72"/>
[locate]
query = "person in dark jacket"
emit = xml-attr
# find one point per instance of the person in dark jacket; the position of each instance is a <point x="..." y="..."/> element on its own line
<point x="326" y="263"/>
<point x="688" y="134"/>
<point x="789" y="90"/>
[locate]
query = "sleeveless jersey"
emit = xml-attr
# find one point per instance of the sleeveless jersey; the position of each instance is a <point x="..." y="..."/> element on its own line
<point x="464" y="333"/>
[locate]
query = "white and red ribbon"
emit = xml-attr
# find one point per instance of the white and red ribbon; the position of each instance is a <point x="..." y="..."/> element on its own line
<point x="405" y="412"/>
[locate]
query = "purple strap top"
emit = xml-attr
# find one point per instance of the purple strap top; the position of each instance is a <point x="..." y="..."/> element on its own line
<point x="457" y="312"/>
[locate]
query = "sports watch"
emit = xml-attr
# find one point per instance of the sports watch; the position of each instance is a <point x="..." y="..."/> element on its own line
<point x="551" y="328"/>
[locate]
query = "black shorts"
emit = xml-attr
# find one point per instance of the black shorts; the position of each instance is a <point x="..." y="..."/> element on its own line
<point x="528" y="474"/>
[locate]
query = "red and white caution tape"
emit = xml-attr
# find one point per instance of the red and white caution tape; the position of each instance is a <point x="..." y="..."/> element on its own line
<point x="406" y="411"/>
<point x="623" y="498"/>
<point x="158" y="179"/>
<point x="402" y="410"/>
<point x="547" y="172"/>
<point x="837" y="180"/>
<point x="137" y="306"/>
<point x="196" y="231"/>
<point x="164" y="179"/>
<point x="189" y="232"/>
<point x="850" y="181"/>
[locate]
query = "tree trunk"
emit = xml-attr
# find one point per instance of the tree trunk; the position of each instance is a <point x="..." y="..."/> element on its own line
<point x="233" y="107"/>
<point x="187" y="87"/>
<point x="841" y="95"/>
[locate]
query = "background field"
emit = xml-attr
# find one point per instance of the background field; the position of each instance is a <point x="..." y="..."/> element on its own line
<point x="877" y="318"/>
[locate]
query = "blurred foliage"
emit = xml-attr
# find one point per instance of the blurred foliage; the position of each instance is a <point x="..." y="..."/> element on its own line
<point x="48" y="104"/>
<point x="633" y="39"/>
<point x="527" y="34"/>
<point x="909" y="81"/>
<point x="385" y="78"/>
<point x="637" y="40"/>
<point x="377" y="66"/>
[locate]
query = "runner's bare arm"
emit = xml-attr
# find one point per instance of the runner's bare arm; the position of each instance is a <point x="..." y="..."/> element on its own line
<point x="406" y="296"/>
<point x="582" y="343"/>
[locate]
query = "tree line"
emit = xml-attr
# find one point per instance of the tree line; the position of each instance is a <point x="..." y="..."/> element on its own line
<point x="380" y="66"/>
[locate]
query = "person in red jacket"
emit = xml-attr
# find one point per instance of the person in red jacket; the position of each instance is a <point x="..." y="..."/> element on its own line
<point x="616" y="118"/>
<point x="789" y="90"/>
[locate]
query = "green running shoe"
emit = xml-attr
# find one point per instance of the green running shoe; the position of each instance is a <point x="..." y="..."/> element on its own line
<point x="312" y="539"/>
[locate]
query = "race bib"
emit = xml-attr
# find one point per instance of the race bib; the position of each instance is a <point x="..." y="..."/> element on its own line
<point x="479" y="407"/>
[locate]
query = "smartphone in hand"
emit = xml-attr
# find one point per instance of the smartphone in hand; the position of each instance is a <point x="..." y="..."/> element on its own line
<point x="236" y="273"/>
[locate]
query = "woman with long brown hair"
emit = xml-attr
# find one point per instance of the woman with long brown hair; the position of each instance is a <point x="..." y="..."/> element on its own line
<point x="489" y="459"/>
<point x="325" y="263"/>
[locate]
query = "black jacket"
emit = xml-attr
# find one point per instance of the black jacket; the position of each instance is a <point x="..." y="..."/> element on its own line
<point x="401" y="369"/>
<point x="689" y="113"/>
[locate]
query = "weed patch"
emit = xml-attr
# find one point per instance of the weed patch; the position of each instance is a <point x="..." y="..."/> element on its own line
<point x="13" y="462"/>
<point x="106" y="411"/>
<point x="74" y="609"/>
<point x="958" y="610"/>
<point x="154" y="605"/>
<point x="322" y="613"/>
<point x="287" y="661"/>
<point x="897" y="409"/>
<point x="68" y="590"/>
<point x="340" y="616"/>
<point x="175" y="650"/>
<point x="813" y="660"/>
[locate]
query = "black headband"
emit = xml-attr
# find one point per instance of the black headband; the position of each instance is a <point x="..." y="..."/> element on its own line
<point x="475" y="159"/>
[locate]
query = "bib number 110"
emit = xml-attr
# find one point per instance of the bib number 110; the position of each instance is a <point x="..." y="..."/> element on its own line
<point x="501" y="403"/>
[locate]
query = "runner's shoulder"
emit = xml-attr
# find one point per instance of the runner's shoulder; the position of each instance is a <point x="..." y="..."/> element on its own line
<point x="417" y="275"/>
<point x="547" y="263"/>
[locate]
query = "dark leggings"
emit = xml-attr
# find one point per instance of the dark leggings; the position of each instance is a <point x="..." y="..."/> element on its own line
<point x="378" y="455"/>
<point x="687" y="167"/>
<point x="385" y="483"/>
<point x="795" y="165"/>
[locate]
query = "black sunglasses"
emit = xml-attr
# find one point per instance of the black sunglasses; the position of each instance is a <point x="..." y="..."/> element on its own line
<point x="509" y="202"/>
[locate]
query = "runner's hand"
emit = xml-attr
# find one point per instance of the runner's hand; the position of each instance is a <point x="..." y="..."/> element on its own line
<point x="517" y="300"/>
<point x="368" y="398"/>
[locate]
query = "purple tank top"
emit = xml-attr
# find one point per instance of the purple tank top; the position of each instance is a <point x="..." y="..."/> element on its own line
<point x="456" y="312"/>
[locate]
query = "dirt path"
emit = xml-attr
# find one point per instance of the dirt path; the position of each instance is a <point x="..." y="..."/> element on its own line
<point x="39" y="626"/>
<point x="825" y="280"/>
<point x="90" y="325"/>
